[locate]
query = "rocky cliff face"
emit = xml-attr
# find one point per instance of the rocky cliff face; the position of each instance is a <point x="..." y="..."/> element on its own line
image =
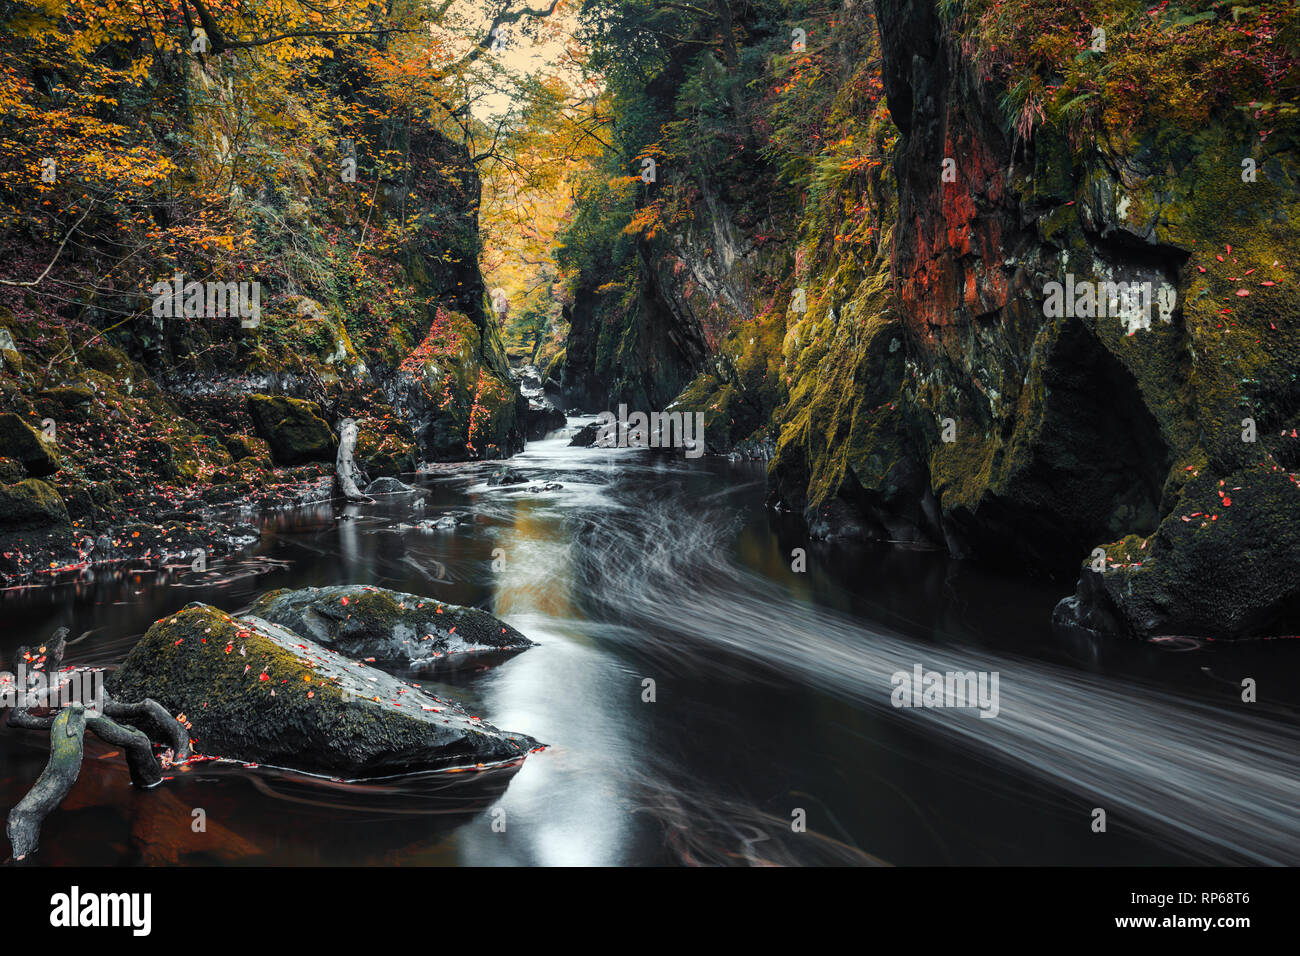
<point x="146" y="420"/>
<point x="939" y="389"/>
<point x="1120" y="432"/>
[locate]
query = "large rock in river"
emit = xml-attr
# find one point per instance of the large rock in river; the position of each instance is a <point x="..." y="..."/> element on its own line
<point x="255" y="691"/>
<point x="393" y="627"/>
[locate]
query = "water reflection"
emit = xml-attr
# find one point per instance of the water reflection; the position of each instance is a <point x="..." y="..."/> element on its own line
<point x="771" y="696"/>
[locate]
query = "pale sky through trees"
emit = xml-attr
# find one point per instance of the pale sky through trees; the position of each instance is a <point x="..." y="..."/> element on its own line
<point x="525" y="55"/>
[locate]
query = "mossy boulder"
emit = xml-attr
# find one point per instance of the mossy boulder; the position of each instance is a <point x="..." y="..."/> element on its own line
<point x="68" y="397"/>
<point x="1222" y="564"/>
<point x="32" y="505"/>
<point x="393" y="627"/>
<point x="255" y="691"/>
<point x="248" y="446"/>
<point x="9" y="358"/>
<point x="385" y="447"/>
<point x="92" y="502"/>
<point x="158" y="458"/>
<point x="293" y="428"/>
<point x="20" y="440"/>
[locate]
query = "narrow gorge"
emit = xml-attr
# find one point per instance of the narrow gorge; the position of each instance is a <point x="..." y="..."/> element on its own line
<point x="697" y="433"/>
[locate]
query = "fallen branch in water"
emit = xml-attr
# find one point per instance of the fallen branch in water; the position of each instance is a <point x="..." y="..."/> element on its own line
<point x="67" y="730"/>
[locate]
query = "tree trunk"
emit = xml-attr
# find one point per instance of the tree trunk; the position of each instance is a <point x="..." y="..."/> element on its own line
<point x="731" y="54"/>
<point x="346" y="473"/>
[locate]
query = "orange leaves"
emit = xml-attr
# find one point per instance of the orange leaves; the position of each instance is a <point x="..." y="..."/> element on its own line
<point x="646" y="221"/>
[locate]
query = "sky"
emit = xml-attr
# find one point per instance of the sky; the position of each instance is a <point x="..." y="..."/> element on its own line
<point x="519" y="54"/>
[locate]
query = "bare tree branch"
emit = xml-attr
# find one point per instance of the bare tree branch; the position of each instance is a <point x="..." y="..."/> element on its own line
<point x="58" y="252"/>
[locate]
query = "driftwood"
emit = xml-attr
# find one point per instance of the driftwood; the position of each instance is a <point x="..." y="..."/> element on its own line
<point x="346" y="473"/>
<point x="68" y="728"/>
<point x="67" y="747"/>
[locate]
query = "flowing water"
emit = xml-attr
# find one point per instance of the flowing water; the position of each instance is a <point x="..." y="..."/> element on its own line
<point x="771" y="697"/>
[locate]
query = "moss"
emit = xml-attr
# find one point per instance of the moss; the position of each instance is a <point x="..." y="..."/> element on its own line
<point x="1222" y="563"/>
<point x="248" y="446"/>
<point x="68" y="396"/>
<point x="385" y="447"/>
<point x="552" y="369"/>
<point x="20" y="440"/>
<point x="252" y="691"/>
<point x="31" y="505"/>
<point x="293" y="428"/>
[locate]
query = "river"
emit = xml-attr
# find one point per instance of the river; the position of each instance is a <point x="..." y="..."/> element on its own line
<point x="770" y="737"/>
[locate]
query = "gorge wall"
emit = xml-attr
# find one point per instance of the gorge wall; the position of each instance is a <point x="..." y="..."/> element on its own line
<point x="927" y="392"/>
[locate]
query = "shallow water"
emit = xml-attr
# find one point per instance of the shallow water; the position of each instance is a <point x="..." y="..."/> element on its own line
<point x="772" y="696"/>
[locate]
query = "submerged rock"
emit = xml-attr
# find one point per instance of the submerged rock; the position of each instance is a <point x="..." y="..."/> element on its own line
<point x="392" y="627"/>
<point x="445" y="523"/>
<point x="255" y="691"/>
<point x="390" y="486"/>
<point x="505" y="476"/>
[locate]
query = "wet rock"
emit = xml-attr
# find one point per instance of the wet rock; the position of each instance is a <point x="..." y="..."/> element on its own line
<point x="530" y="381"/>
<point x="390" y="486"/>
<point x="393" y="627"/>
<point x="32" y="505"/>
<point x="445" y="523"/>
<point x="542" y="419"/>
<point x="505" y="476"/>
<point x="1222" y="564"/>
<point x="585" y="436"/>
<point x="546" y="486"/>
<point x="293" y="428"/>
<point x="20" y="440"/>
<point x="753" y="449"/>
<point x="255" y="691"/>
